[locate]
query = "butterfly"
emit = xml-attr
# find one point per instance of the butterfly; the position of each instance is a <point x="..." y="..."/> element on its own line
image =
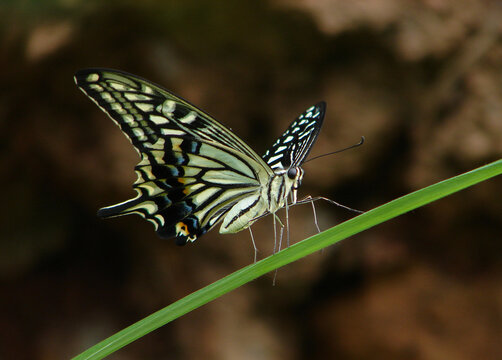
<point x="195" y="173"/>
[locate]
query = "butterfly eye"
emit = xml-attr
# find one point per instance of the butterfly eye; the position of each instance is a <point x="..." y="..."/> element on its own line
<point x="292" y="173"/>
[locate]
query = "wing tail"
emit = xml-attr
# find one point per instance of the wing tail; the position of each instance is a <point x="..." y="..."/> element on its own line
<point x="123" y="208"/>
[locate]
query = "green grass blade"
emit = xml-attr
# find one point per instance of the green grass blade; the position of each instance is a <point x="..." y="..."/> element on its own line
<point x="353" y="226"/>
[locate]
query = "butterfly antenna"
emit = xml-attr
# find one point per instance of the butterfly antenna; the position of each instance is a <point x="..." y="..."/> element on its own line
<point x="338" y="151"/>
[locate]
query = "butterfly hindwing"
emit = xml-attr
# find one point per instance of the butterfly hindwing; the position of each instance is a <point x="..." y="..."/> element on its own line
<point x="178" y="189"/>
<point x="293" y="146"/>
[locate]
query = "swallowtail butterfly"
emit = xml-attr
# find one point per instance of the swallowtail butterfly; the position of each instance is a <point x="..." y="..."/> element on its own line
<point x="195" y="173"/>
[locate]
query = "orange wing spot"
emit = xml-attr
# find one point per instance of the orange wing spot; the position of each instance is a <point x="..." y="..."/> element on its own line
<point x="176" y="144"/>
<point x="181" y="228"/>
<point x="186" y="190"/>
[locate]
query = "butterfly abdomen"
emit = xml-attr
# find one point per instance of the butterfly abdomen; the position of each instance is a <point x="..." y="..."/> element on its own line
<point x="241" y="215"/>
<point x="271" y="198"/>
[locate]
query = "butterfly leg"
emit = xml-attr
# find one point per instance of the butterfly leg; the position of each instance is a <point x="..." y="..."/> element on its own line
<point x="315" y="216"/>
<point x="286" y="206"/>
<point x="310" y="199"/>
<point x="275" y="235"/>
<point x="254" y="244"/>
<point x="280" y="234"/>
<point x="280" y="243"/>
<point x="277" y="220"/>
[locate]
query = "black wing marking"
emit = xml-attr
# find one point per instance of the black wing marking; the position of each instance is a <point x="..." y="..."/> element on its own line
<point x="294" y="145"/>
<point x="145" y="111"/>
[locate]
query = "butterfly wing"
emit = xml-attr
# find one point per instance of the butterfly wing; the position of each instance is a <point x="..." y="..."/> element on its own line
<point x="294" y="145"/>
<point x="192" y="168"/>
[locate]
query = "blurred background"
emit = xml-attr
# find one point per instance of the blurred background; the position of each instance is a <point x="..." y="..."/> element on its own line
<point x="421" y="80"/>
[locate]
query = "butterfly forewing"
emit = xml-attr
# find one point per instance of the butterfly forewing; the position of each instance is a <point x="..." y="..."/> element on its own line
<point x="192" y="168"/>
<point x="145" y="111"/>
<point x="293" y="146"/>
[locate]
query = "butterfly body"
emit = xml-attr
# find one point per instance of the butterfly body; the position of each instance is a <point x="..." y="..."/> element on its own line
<point x="195" y="173"/>
<point x="271" y="197"/>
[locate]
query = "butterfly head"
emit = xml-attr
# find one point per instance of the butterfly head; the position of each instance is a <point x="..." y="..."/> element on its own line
<point x="295" y="176"/>
<point x="297" y="183"/>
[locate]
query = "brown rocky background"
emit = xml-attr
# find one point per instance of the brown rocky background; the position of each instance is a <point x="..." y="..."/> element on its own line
<point x="421" y="80"/>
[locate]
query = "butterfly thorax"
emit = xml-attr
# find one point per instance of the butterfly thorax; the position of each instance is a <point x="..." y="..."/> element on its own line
<point x="283" y="184"/>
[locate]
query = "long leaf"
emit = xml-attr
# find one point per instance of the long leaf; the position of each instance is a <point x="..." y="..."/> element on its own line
<point x="308" y="246"/>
